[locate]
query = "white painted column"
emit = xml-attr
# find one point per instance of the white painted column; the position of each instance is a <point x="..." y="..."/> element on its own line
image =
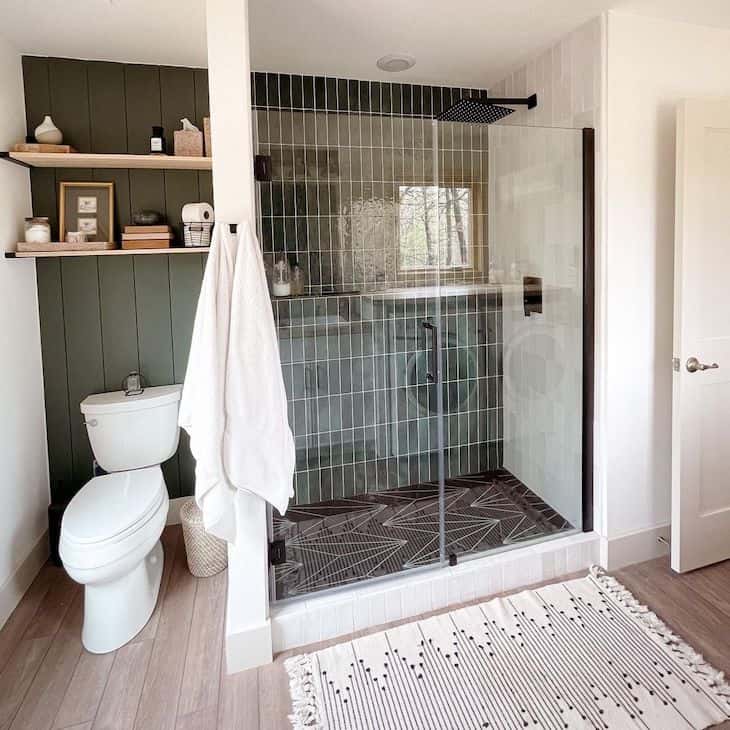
<point x="248" y="629"/>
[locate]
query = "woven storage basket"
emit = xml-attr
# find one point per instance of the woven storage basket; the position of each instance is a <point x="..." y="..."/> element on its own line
<point x="207" y="555"/>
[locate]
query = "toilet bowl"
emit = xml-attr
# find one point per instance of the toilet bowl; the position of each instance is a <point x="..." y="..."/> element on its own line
<point x="110" y="532"/>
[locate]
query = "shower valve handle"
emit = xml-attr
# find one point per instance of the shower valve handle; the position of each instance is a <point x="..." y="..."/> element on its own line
<point x="432" y="374"/>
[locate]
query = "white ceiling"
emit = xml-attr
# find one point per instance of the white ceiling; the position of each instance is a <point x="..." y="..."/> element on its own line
<point x="459" y="42"/>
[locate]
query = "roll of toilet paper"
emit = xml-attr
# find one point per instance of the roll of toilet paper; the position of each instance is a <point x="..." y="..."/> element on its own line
<point x="197" y="213"/>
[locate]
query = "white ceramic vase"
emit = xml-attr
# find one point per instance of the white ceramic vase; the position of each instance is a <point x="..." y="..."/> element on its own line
<point x="47" y="132"/>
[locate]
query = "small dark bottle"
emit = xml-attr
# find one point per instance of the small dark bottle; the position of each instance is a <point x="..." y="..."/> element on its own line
<point x="158" y="145"/>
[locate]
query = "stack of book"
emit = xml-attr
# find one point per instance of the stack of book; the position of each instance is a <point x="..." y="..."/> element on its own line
<point x="146" y="237"/>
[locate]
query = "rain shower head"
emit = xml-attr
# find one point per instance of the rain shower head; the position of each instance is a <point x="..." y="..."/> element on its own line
<point x="483" y="111"/>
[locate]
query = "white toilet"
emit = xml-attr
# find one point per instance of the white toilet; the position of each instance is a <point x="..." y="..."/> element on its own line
<point x="110" y="533"/>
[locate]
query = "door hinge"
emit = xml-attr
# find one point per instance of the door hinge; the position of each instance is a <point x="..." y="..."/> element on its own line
<point x="675" y="364"/>
<point x="277" y="552"/>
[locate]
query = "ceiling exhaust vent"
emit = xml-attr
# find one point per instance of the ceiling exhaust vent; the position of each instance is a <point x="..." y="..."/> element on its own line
<point x="395" y="62"/>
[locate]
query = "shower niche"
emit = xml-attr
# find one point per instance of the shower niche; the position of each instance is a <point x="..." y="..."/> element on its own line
<point x="435" y="365"/>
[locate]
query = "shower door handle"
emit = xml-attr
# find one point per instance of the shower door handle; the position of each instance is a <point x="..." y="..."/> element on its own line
<point x="433" y="369"/>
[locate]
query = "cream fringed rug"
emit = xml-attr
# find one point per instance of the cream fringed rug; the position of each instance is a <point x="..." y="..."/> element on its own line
<point x="580" y="654"/>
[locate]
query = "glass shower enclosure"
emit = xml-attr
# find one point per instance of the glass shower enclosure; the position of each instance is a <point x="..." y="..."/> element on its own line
<point x="434" y="365"/>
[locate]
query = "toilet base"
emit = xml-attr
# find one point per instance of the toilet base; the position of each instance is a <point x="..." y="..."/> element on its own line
<point x="116" y="611"/>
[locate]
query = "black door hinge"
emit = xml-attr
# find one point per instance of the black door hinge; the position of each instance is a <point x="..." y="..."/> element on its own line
<point x="277" y="552"/>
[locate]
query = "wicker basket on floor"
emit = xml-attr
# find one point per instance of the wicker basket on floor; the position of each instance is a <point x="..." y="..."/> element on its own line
<point x="207" y="555"/>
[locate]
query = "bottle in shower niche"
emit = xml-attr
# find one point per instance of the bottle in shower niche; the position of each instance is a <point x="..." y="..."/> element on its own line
<point x="158" y="144"/>
<point x="298" y="279"/>
<point x="281" y="281"/>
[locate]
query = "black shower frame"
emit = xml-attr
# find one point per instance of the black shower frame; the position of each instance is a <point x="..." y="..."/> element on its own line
<point x="589" y="312"/>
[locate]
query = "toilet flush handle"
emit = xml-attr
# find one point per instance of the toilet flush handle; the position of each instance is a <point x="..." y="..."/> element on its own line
<point x="93" y="422"/>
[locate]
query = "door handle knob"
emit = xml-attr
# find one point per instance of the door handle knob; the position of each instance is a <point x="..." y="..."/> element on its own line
<point x="693" y="365"/>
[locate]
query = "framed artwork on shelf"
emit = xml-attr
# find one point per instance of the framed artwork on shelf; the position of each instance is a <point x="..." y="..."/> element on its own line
<point x="88" y="208"/>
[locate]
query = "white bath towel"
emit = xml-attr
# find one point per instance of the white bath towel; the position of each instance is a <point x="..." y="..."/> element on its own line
<point x="233" y="402"/>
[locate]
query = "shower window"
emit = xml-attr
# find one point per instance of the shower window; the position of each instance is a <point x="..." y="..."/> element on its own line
<point x="435" y="220"/>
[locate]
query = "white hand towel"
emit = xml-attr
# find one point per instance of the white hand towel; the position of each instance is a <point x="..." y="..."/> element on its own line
<point x="234" y="402"/>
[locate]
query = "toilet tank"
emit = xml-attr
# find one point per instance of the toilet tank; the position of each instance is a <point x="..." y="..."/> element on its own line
<point x="133" y="431"/>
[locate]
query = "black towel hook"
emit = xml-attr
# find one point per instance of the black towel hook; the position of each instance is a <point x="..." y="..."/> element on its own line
<point x="233" y="227"/>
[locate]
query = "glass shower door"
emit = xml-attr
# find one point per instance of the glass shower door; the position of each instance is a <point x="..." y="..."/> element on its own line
<point x="511" y="247"/>
<point x="352" y="199"/>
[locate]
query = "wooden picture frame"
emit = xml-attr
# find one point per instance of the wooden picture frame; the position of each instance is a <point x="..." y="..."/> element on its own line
<point x="89" y="207"/>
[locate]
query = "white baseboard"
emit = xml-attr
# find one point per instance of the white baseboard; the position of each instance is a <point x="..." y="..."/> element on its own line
<point x="317" y="618"/>
<point x="634" y="547"/>
<point x="173" y="513"/>
<point x="18" y="583"/>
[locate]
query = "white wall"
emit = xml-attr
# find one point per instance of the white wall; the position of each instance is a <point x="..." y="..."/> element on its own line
<point x="24" y="493"/>
<point x="535" y="220"/>
<point x="651" y="65"/>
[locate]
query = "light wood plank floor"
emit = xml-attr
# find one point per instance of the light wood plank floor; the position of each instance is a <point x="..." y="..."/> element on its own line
<point x="172" y="675"/>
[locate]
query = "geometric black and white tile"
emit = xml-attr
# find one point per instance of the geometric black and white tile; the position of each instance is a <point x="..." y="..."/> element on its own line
<point x="343" y="541"/>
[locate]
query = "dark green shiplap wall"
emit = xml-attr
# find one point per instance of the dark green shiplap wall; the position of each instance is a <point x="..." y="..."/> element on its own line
<point x="111" y="107"/>
<point x="103" y="317"/>
<point x="100" y="319"/>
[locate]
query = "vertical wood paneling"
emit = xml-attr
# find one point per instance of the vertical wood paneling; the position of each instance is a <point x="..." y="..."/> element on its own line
<point x="147" y="190"/>
<point x="205" y="184"/>
<point x="154" y="324"/>
<point x="44" y="196"/>
<point x="84" y="353"/>
<point x="70" y="101"/>
<point x="55" y="376"/>
<point x="107" y="109"/>
<point x="118" y="319"/>
<point x="177" y="96"/>
<point x="180" y="187"/>
<point x="37" y="92"/>
<point x="202" y="103"/>
<point x="154" y="335"/>
<point x="120" y="313"/>
<point x="142" y="84"/>
<point x="186" y="275"/>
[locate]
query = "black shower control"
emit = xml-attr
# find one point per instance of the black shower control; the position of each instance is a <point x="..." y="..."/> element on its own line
<point x="532" y="294"/>
<point x="262" y="168"/>
<point x="277" y="552"/>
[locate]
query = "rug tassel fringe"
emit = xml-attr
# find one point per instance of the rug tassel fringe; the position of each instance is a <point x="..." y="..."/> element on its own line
<point x="305" y="715"/>
<point x="691" y="659"/>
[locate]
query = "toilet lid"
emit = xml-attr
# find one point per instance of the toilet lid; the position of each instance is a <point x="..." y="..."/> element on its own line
<point x="111" y="506"/>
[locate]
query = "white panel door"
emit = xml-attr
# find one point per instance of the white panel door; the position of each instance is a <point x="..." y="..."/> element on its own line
<point x="701" y="397"/>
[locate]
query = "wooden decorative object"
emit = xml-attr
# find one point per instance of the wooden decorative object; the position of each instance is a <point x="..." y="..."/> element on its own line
<point x="45" y="148"/>
<point x="87" y="207"/>
<point x="24" y="247"/>
<point x="146" y="243"/>
<point x="188" y="143"/>
<point x="208" y="142"/>
<point x="111" y="162"/>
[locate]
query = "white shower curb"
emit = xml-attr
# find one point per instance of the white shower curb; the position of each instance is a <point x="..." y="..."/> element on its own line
<point x="320" y="617"/>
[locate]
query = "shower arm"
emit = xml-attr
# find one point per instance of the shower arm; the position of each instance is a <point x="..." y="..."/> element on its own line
<point x="530" y="101"/>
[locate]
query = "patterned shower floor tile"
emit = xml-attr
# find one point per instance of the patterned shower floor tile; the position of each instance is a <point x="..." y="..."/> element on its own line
<point x="343" y="541"/>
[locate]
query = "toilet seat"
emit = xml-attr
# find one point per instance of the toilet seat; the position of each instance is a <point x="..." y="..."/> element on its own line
<point x="111" y="516"/>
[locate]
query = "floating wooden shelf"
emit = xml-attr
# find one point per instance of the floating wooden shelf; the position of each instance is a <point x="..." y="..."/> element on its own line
<point x="82" y="159"/>
<point x="107" y="252"/>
